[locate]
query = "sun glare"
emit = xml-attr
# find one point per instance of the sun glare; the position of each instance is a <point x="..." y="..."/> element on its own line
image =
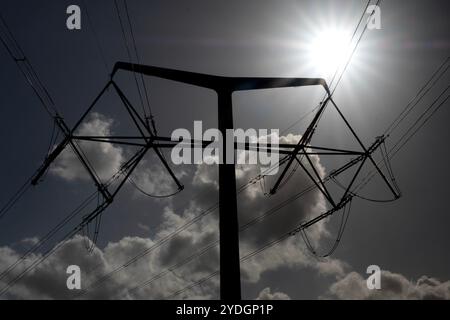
<point x="328" y="50"/>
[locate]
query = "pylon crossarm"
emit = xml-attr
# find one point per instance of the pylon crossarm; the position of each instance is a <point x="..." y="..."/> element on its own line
<point x="89" y="109"/>
<point x="91" y="171"/>
<point x="94" y="214"/>
<point x="369" y="154"/>
<point x="138" y="120"/>
<point x="48" y="160"/>
<point x="258" y="147"/>
<point x="71" y="139"/>
<point x="347" y="191"/>
<point x="304" y="140"/>
<point x="321" y="183"/>
<point x="113" y="141"/>
<point x="319" y="178"/>
<point x="218" y="83"/>
<point x="135" y="116"/>
<point x="322" y="216"/>
<point x="362" y="157"/>
<point x="131" y="167"/>
<point x="67" y="136"/>
<point x="333" y="149"/>
<point x="126" y="170"/>
<point x="318" y="183"/>
<point x="356" y="160"/>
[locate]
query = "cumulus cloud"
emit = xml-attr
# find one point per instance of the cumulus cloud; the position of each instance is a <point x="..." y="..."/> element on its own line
<point x="393" y="286"/>
<point x="254" y="202"/>
<point x="266" y="294"/>
<point x="104" y="158"/>
<point x="48" y="280"/>
<point x="31" y="241"/>
<point x="143" y="227"/>
<point x="150" y="177"/>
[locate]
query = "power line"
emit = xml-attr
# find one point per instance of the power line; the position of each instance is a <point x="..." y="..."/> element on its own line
<point x="301" y="228"/>
<point x="195" y="284"/>
<point x="51" y="233"/>
<point x="244" y="227"/>
<point x="96" y="38"/>
<point x="26" y="68"/>
<point x="409" y="134"/>
<point x="344" y="219"/>
<point x="418" y="97"/>
<point x="129" y="166"/>
<point x="301" y="119"/>
<point x="242" y="259"/>
<point x="49" y="252"/>
<point x="168" y="237"/>
<point x="24" y="65"/>
<point x="149" y="107"/>
<point x="399" y="145"/>
<point x="252" y="254"/>
<point x="434" y="79"/>
<point x="340" y="64"/>
<point x="224" y="86"/>
<point x="37" y="262"/>
<point x="175" y="266"/>
<point x="200" y="253"/>
<point x="354" y="49"/>
<point x="122" y="28"/>
<point x="48" y="236"/>
<point x="16" y="197"/>
<point x="148" y="194"/>
<point x="94" y="215"/>
<point x="147" y="251"/>
<point x="422" y="92"/>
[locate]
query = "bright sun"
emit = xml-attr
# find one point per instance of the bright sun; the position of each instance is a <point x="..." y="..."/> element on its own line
<point x="328" y="50"/>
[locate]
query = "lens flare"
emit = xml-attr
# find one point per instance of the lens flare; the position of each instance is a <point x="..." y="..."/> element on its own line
<point x="328" y="50"/>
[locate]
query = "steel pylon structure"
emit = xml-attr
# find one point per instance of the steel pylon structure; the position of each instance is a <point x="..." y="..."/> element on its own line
<point x="147" y="139"/>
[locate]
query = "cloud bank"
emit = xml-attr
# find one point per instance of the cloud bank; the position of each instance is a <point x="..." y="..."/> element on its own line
<point x="48" y="280"/>
<point x="393" y="286"/>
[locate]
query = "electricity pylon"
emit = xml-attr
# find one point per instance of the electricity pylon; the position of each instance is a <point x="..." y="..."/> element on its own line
<point x="230" y="283"/>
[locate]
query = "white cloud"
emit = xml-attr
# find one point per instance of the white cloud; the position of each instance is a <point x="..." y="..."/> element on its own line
<point x="149" y="176"/>
<point x="143" y="227"/>
<point x="31" y="241"/>
<point x="393" y="286"/>
<point x="153" y="179"/>
<point x="252" y="203"/>
<point x="266" y="294"/>
<point x="48" y="280"/>
<point x="104" y="158"/>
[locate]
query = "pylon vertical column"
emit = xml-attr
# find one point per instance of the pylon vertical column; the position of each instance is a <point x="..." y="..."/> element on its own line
<point x="230" y="275"/>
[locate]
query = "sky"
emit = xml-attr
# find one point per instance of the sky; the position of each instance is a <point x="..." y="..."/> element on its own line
<point x="408" y="239"/>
